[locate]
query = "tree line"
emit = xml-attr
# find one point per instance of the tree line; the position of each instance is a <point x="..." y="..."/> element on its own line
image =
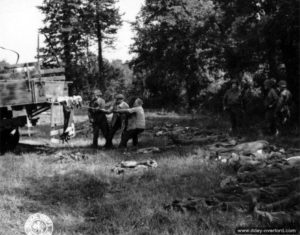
<point x="71" y="28"/>
<point x="181" y="47"/>
<point x="184" y="45"/>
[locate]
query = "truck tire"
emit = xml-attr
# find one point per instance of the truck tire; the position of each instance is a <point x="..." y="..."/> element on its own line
<point x="2" y="142"/>
<point x="13" y="139"/>
<point x="9" y="140"/>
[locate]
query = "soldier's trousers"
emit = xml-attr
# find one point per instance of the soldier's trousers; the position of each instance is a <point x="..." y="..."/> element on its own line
<point x="235" y="115"/>
<point x="271" y="121"/>
<point x="101" y="124"/>
<point x="130" y="134"/>
<point x="116" y="125"/>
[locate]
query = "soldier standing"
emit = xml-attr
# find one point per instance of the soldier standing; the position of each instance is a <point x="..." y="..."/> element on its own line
<point x="232" y="103"/>
<point x="270" y="104"/>
<point x="118" y="119"/>
<point x="98" y="118"/>
<point x="281" y="72"/>
<point x="283" y="109"/>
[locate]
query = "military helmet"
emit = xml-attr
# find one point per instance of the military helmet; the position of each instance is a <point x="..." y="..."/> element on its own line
<point x="139" y="102"/>
<point x="282" y="83"/>
<point x="120" y="97"/>
<point x="97" y="92"/>
<point x="281" y="66"/>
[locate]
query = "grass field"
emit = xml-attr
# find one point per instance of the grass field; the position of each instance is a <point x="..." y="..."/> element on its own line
<point x="86" y="197"/>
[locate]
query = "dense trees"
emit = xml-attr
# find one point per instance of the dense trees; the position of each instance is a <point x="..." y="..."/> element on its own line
<point x="181" y="45"/>
<point x="118" y="77"/>
<point x="71" y="26"/>
<point x="63" y="33"/>
<point x="101" y="20"/>
<point x="263" y="32"/>
<point x="173" y="46"/>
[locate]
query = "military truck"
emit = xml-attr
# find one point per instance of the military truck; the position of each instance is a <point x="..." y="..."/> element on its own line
<point x="27" y="90"/>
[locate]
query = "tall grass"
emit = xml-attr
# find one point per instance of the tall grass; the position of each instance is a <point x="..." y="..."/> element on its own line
<point x="86" y="197"/>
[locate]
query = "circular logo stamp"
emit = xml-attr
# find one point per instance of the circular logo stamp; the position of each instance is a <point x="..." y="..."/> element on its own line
<point x="38" y="224"/>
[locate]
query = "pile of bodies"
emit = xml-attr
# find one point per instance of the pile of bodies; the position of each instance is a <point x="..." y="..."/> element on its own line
<point x="169" y="128"/>
<point x="187" y="135"/>
<point x="264" y="182"/>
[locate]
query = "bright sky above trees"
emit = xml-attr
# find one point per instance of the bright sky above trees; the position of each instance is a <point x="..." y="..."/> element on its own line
<point x="20" y="20"/>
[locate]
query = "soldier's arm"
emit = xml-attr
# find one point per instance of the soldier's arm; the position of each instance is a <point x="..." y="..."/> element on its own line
<point x="90" y="114"/>
<point x="102" y="110"/>
<point x="124" y="106"/>
<point x="100" y="107"/>
<point x="106" y="111"/>
<point x="274" y="99"/>
<point x="280" y="102"/>
<point x="126" y="111"/>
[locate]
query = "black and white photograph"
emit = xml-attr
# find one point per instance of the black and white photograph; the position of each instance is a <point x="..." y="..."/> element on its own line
<point x="149" y="117"/>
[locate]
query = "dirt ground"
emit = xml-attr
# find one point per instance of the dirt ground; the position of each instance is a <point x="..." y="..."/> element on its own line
<point x="86" y="197"/>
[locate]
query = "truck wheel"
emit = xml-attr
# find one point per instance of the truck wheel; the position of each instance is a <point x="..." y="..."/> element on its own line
<point x="13" y="139"/>
<point x="2" y="142"/>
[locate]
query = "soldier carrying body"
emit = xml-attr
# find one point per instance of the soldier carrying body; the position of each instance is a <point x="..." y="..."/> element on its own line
<point x="136" y="122"/>
<point x="232" y="103"/>
<point x="118" y="119"/>
<point x="98" y="119"/>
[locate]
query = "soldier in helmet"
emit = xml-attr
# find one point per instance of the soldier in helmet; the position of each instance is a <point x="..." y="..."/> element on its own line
<point x="118" y="119"/>
<point x="281" y="72"/>
<point x="98" y="118"/>
<point x="285" y="96"/>
<point x="270" y="104"/>
<point x="232" y="103"/>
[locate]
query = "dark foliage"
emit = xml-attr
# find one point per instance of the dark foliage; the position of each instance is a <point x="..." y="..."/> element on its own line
<point x="180" y="45"/>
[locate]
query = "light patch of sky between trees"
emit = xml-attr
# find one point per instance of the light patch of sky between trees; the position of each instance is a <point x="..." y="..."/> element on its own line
<point x="20" y="21"/>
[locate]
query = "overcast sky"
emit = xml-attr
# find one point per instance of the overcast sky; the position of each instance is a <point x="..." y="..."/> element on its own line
<point x="20" y="20"/>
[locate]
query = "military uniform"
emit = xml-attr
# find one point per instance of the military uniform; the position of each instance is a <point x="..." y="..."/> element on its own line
<point x="233" y="105"/>
<point x="136" y="123"/>
<point x="99" y="120"/>
<point x="270" y="104"/>
<point x="284" y="100"/>
<point x="118" y="119"/>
